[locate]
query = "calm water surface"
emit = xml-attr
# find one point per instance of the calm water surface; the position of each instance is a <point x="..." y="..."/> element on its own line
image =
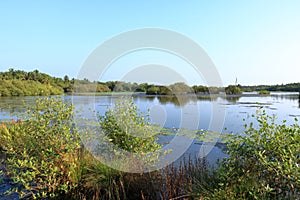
<point x="170" y="111"/>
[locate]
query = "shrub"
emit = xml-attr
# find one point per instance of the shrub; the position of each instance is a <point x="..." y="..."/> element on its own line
<point x="163" y="90"/>
<point x="232" y="89"/>
<point x="45" y="157"/>
<point x="262" y="164"/>
<point x="42" y="154"/>
<point x="27" y="88"/>
<point x="180" y="88"/>
<point x="264" y="92"/>
<point x="153" y="90"/>
<point x="129" y="129"/>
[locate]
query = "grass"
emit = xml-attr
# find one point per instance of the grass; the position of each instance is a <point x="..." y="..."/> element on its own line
<point x="172" y="182"/>
<point x="1" y="175"/>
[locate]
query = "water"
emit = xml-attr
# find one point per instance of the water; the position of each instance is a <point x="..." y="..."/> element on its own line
<point x="229" y="113"/>
<point x="169" y="112"/>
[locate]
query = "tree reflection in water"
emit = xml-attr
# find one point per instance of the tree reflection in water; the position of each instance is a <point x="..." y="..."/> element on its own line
<point x="179" y="100"/>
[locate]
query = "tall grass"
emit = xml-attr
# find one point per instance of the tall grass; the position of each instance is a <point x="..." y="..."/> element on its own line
<point x="171" y="182"/>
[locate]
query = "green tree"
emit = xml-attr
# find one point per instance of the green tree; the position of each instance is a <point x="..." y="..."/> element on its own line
<point x="112" y="84"/>
<point x="152" y="90"/>
<point x="232" y="89"/>
<point x="180" y="88"/>
<point x="200" y="89"/>
<point x="142" y="87"/>
<point x="102" y="88"/>
<point x="163" y="90"/>
<point x="66" y="79"/>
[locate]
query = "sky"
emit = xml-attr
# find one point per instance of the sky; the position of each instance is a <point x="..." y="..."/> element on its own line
<point x="253" y="41"/>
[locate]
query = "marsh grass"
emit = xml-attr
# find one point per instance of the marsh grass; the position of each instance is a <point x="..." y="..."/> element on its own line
<point x="171" y="182"/>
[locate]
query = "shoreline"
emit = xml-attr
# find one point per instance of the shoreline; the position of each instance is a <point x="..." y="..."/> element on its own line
<point x="138" y="94"/>
<point x="142" y="94"/>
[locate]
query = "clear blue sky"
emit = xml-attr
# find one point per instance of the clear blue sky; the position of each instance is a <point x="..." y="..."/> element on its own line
<point x="256" y="41"/>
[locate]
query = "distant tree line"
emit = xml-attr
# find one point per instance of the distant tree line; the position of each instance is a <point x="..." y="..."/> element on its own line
<point x="21" y="83"/>
<point x="291" y="87"/>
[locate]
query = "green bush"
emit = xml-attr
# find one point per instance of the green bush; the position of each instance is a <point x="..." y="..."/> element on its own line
<point x="43" y="151"/>
<point x="264" y="163"/>
<point x="163" y="90"/>
<point x="180" y="88"/>
<point x="129" y="129"/>
<point x="264" y="92"/>
<point x="153" y="90"/>
<point x="45" y="156"/>
<point x="233" y="90"/>
<point x="27" y="88"/>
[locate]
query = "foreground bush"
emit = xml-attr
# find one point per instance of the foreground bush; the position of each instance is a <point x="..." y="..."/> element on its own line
<point x="264" y="163"/>
<point x="130" y="130"/>
<point x="43" y="151"/>
<point x="126" y="128"/>
<point x="45" y="156"/>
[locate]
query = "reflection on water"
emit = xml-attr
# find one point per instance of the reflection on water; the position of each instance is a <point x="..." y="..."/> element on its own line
<point x="232" y="99"/>
<point x="299" y="100"/>
<point x="238" y="108"/>
<point x="151" y="98"/>
<point x="179" y="101"/>
<point x="13" y="106"/>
